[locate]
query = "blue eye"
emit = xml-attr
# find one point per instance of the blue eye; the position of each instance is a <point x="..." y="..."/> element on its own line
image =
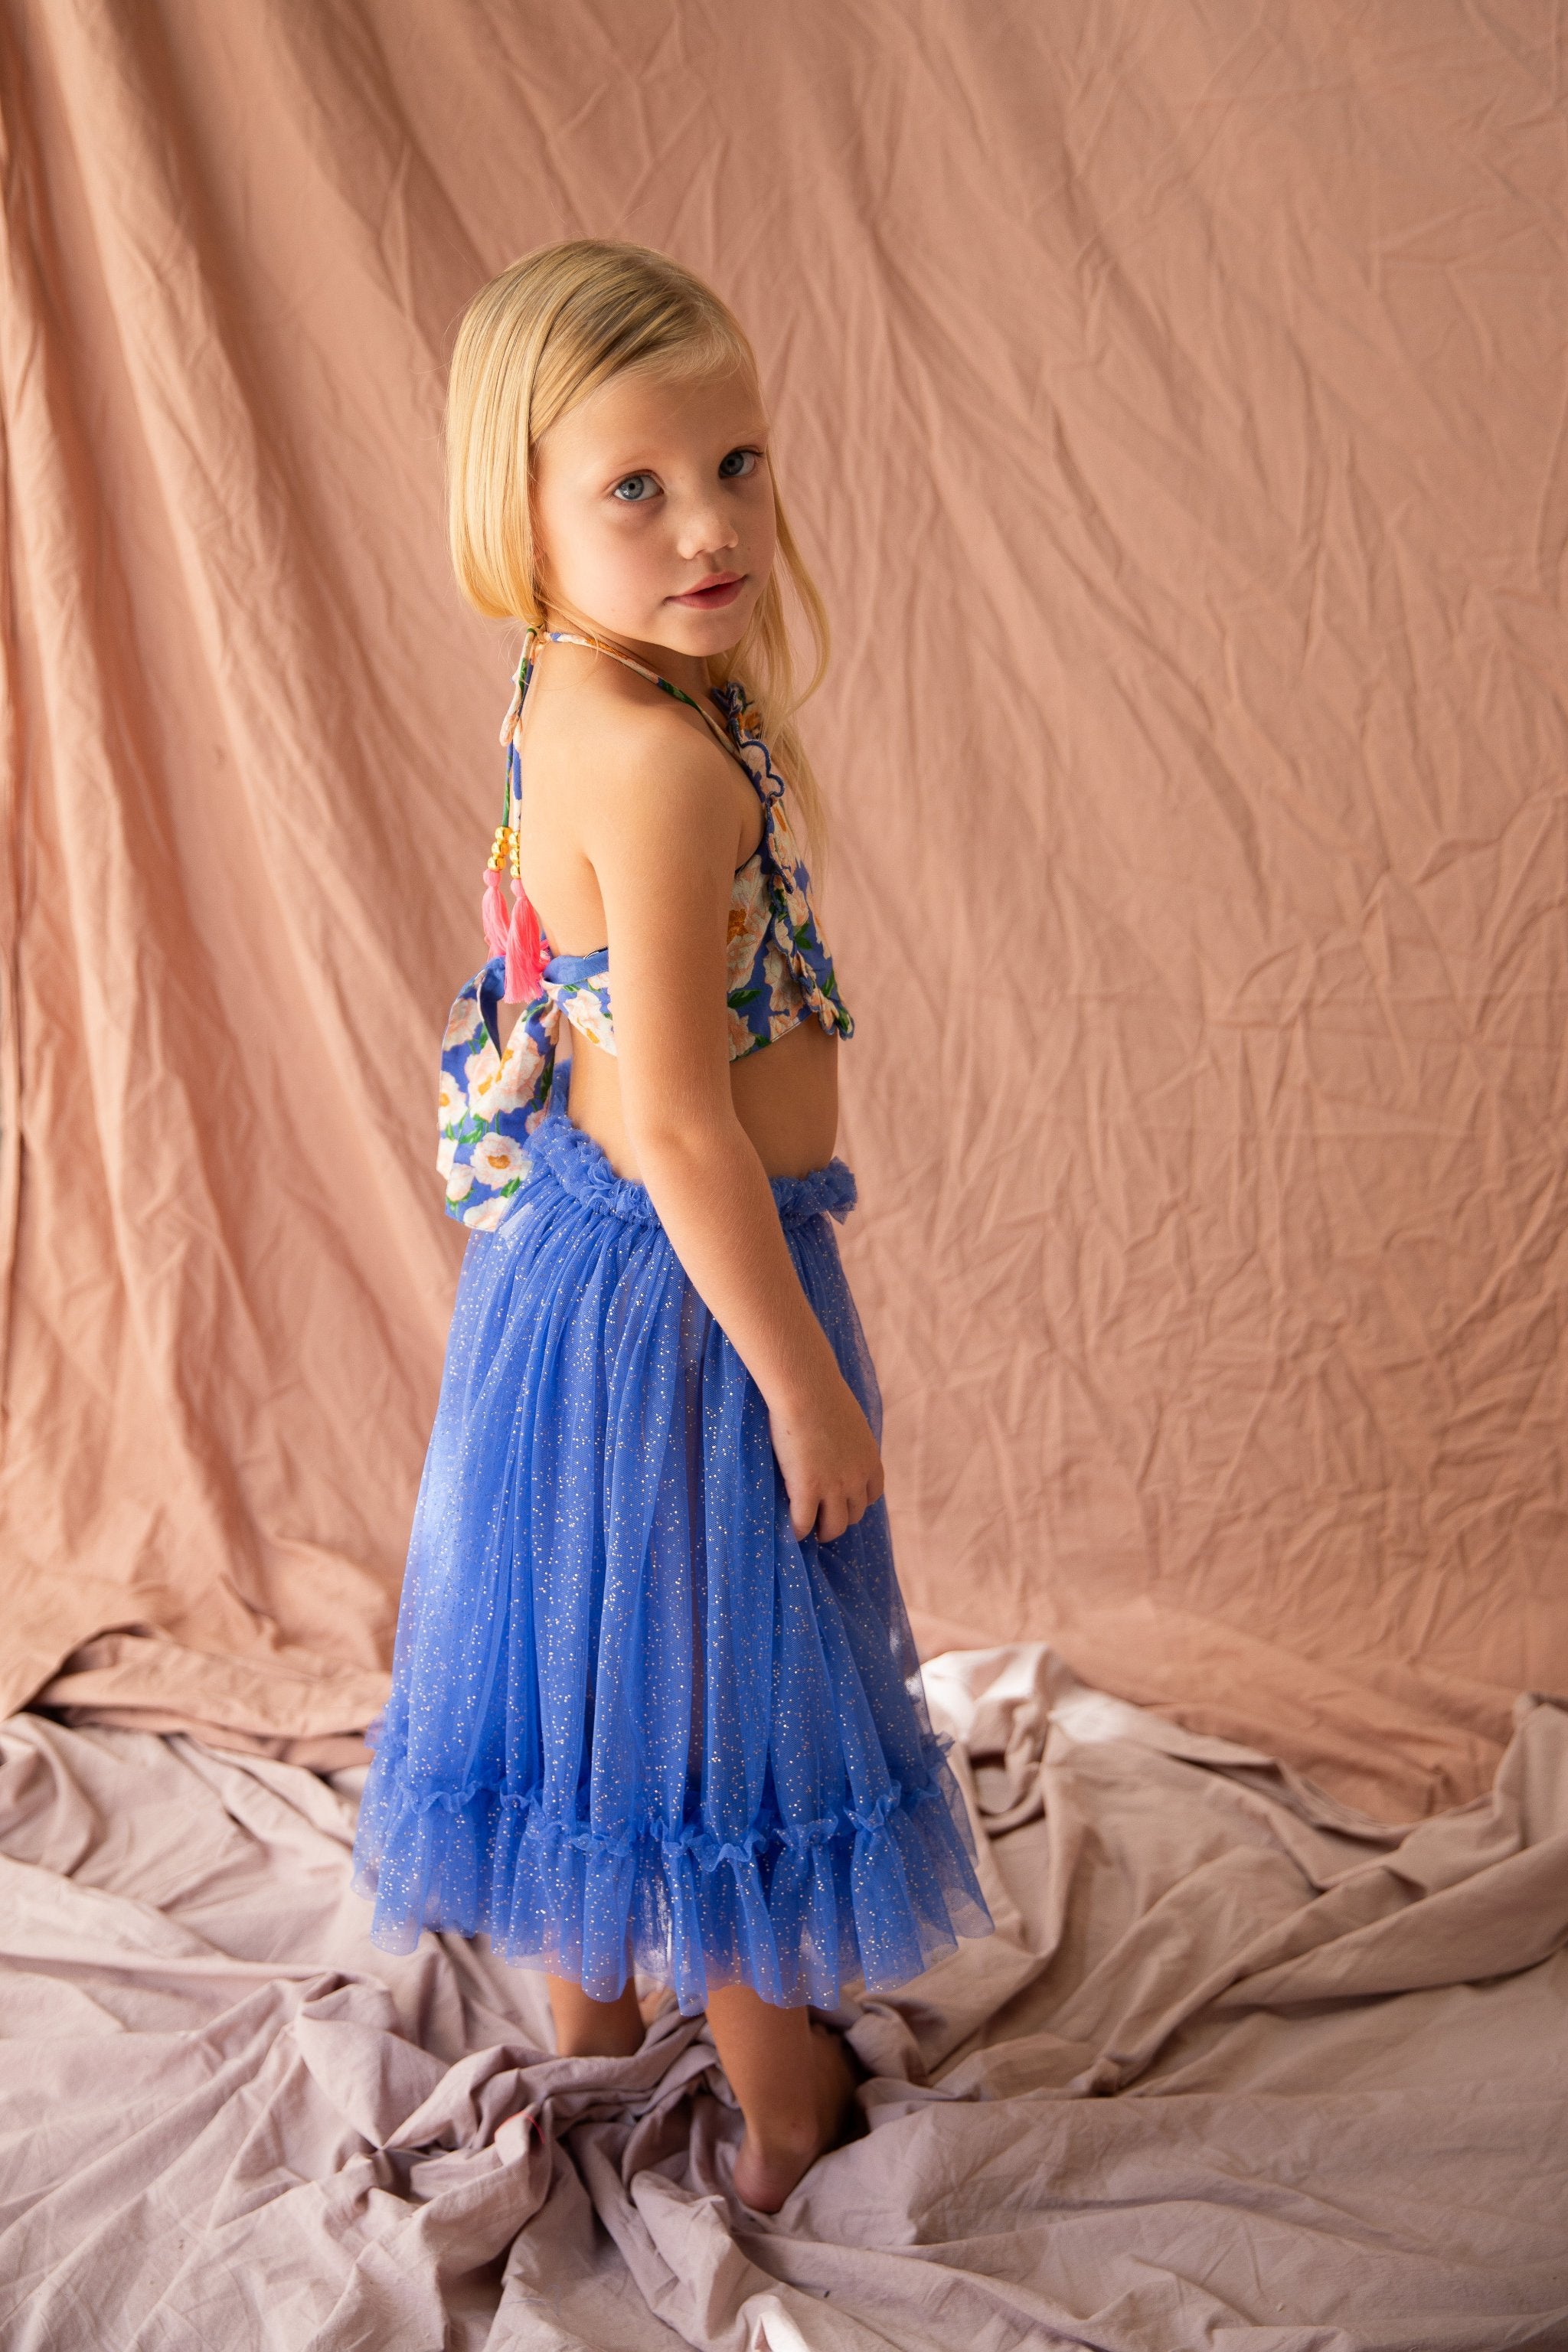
<point x="755" y="457"/>
<point x="636" y="500"/>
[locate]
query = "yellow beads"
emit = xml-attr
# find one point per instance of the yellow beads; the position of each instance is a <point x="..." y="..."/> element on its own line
<point x="506" y="857"/>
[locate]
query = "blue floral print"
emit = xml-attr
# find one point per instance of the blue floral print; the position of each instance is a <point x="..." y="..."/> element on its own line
<point x="779" y="973"/>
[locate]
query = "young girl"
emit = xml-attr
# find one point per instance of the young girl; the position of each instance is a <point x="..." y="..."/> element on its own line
<point x="655" y="1705"/>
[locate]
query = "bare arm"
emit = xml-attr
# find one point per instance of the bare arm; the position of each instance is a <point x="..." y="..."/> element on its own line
<point x="659" y="833"/>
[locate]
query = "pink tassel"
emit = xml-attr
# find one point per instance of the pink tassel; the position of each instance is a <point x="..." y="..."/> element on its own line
<point x="525" y="950"/>
<point x="494" y="912"/>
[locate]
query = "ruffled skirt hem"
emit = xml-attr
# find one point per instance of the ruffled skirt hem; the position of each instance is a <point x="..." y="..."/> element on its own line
<point x="790" y="1910"/>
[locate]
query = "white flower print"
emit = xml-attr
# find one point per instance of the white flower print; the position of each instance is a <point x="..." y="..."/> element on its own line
<point x="483" y="1071"/>
<point x="497" y="1159"/>
<point x="742" y="1038"/>
<point x="520" y="1066"/>
<point x="488" y="1216"/>
<point x="451" y="1103"/>
<point x="748" y="921"/>
<point x="460" y="1184"/>
<point x="464" y="1019"/>
<point x="778" y="976"/>
<point x="446" y="1152"/>
<point x="786" y="849"/>
<point x="786" y="995"/>
<point x="583" y="1002"/>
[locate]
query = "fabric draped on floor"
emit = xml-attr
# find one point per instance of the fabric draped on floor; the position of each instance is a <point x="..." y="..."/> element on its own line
<point x="1238" y="2066"/>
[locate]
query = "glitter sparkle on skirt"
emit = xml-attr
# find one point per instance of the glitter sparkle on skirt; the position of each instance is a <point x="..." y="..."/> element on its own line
<point x="634" y="1721"/>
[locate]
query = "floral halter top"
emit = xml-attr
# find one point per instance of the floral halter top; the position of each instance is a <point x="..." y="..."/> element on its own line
<point x="780" y="973"/>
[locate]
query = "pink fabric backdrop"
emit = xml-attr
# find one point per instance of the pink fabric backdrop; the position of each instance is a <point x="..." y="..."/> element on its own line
<point x="1170" y="404"/>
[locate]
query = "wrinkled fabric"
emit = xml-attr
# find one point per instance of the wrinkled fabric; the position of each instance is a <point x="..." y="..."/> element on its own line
<point x="631" y="1712"/>
<point x="1241" y="2067"/>
<point x="1168" y="402"/>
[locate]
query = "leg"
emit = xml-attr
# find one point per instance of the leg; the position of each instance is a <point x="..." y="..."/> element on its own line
<point x="795" y="2085"/>
<point x="585" y="2028"/>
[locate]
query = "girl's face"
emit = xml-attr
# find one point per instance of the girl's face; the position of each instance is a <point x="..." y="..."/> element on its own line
<point x="654" y="510"/>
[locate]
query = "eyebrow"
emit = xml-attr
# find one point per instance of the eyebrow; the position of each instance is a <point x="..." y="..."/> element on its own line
<point x="753" y="430"/>
<point x="641" y="465"/>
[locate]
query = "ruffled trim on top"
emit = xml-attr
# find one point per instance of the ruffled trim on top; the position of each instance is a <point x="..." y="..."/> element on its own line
<point x="579" y="1166"/>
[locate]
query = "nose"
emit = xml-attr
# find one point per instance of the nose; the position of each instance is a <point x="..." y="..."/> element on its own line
<point x="707" y="527"/>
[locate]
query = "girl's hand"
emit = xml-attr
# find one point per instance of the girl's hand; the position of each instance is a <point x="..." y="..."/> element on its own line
<point x="831" y="1466"/>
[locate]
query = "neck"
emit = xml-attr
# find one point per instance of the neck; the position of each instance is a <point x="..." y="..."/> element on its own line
<point x="688" y="671"/>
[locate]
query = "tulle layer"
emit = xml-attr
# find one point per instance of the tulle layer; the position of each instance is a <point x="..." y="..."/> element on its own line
<point x="634" y="1721"/>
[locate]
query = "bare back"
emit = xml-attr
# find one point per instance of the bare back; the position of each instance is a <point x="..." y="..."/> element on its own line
<point x="589" y="724"/>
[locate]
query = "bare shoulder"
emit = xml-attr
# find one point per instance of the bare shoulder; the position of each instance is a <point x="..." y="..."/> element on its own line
<point x="648" y="779"/>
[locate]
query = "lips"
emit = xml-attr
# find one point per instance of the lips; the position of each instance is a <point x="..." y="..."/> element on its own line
<point x="722" y="589"/>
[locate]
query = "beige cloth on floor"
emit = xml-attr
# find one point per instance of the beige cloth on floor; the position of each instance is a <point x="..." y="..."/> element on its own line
<point x="1240" y="2068"/>
<point x="1169" y="401"/>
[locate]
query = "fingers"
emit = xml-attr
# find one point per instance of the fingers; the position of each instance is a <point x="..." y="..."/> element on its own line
<point x="845" y="1509"/>
<point x="820" y="1517"/>
<point x="825" y="1512"/>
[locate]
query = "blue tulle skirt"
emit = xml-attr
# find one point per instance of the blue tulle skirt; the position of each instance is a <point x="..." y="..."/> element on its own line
<point x="635" y="1722"/>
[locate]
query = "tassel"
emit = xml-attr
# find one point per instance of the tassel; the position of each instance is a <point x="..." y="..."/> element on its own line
<point x="494" y="912"/>
<point x="517" y="935"/>
<point x="525" y="956"/>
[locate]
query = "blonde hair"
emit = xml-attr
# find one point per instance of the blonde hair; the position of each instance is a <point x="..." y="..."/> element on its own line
<point x="532" y="344"/>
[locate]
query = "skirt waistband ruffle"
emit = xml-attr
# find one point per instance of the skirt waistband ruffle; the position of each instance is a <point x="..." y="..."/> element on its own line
<point x="579" y="1166"/>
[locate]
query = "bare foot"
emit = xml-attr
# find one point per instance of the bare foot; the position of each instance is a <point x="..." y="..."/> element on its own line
<point x="767" y="2171"/>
